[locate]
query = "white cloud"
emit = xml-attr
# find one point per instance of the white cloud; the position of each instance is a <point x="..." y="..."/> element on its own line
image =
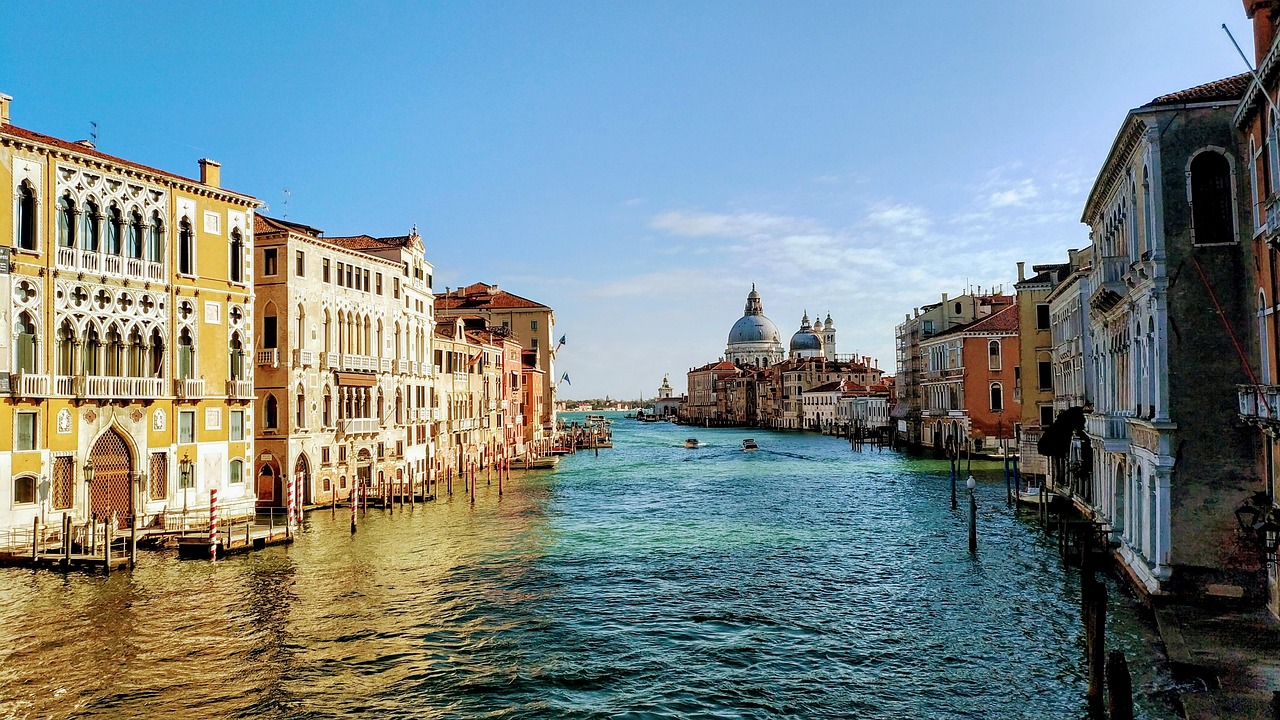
<point x="739" y="225"/>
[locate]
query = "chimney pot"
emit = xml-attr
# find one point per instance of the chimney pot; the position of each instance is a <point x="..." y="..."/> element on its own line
<point x="4" y="108"/>
<point x="210" y="173"/>
<point x="1022" y="270"/>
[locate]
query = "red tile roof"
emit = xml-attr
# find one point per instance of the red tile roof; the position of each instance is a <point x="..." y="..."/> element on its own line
<point x="483" y="297"/>
<point x="1232" y="88"/>
<point x="263" y="224"/>
<point x="33" y="136"/>
<point x="1003" y="320"/>
<point x="368" y="242"/>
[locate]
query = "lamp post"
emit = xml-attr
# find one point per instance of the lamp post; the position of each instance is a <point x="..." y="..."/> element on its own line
<point x="973" y="515"/>
<point x="88" y="472"/>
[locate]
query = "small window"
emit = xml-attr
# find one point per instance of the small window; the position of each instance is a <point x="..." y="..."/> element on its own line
<point x="186" y="426"/>
<point x="300" y="264"/>
<point x="324" y="270"/>
<point x="959" y="308"/>
<point x="25" y="431"/>
<point x="269" y="262"/>
<point x="271" y="416"/>
<point x="997" y="397"/>
<point x="993" y="355"/>
<point x="324" y="456"/>
<point x="377" y="283"/>
<point x="26" y="217"/>
<point x="533" y="324"/>
<point x="1042" y="317"/>
<point x="236" y="429"/>
<point x="236" y="475"/>
<point x="186" y="248"/>
<point x="366" y="280"/>
<point x="24" y="490"/>
<point x="395" y="287"/>
<point x="236" y="261"/>
<point x="1044" y="378"/>
<point x="1046" y="415"/>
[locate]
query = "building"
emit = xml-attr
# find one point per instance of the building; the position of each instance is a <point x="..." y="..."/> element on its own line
<point x="807" y="342"/>
<point x="705" y="383"/>
<point x="666" y="405"/>
<point x="1172" y="295"/>
<point x="753" y="339"/>
<point x="969" y="383"/>
<point x="126" y="290"/>
<point x="532" y="324"/>
<point x="791" y="379"/>
<point x="1034" y="386"/>
<point x="1072" y="379"/>
<point x="469" y="369"/>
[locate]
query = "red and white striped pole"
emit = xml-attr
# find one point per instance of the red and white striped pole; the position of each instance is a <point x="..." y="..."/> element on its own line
<point x="213" y="523"/>
<point x="292" y="509"/>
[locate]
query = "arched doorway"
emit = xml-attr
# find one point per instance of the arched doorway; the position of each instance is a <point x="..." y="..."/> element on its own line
<point x="267" y="486"/>
<point x="364" y="468"/>
<point x="112" y="488"/>
<point x="302" y="475"/>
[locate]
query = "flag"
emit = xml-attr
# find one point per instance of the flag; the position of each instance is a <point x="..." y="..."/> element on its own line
<point x="565" y="378"/>
<point x="475" y="359"/>
<point x="561" y="343"/>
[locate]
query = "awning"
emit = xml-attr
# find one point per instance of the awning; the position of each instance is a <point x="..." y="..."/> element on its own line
<point x="900" y="411"/>
<point x="351" y="379"/>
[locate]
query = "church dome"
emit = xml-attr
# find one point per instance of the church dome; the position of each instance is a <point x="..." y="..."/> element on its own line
<point x="752" y="329"/>
<point x="806" y="339"/>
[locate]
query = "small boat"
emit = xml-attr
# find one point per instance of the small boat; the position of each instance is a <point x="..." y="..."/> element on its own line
<point x="536" y="463"/>
<point x="691" y="443"/>
<point x="749" y="445"/>
<point x="1031" y="495"/>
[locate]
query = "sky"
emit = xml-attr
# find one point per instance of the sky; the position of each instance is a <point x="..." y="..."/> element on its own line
<point x="638" y="165"/>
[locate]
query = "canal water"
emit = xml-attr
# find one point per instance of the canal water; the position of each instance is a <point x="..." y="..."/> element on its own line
<point x="805" y="580"/>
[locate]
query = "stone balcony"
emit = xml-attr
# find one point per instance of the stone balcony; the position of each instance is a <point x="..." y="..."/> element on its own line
<point x="360" y="426"/>
<point x="1111" y="428"/>
<point x="1259" y="403"/>
<point x="304" y="358"/>
<point x="112" y="265"/>
<point x="29" y="385"/>
<point x="240" y="389"/>
<point x="269" y="356"/>
<point x="188" y="388"/>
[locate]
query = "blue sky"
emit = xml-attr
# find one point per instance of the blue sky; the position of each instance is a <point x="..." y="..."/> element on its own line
<point x="638" y="165"/>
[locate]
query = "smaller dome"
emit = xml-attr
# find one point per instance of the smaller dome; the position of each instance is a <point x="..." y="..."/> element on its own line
<point x="805" y="340"/>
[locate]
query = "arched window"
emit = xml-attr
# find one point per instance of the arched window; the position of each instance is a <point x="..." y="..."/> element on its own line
<point x="399" y="408"/>
<point x="186" y="355"/>
<point x="1211" y="220"/>
<point x="993" y="355"/>
<point x="237" y="257"/>
<point x="115" y="352"/>
<point x="959" y="308"/>
<point x="133" y="236"/>
<point x="66" y="222"/>
<point x="271" y="414"/>
<point x="92" y="351"/>
<point x="89" y="220"/>
<point x="186" y="248"/>
<point x="1148" y="213"/>
<point x="1264" y="362"/>
<point x="24" y="490"/>
<point x="236" y="358"/>
<point x="326" y="331"/>
<point x="300" y="413"/>
<point x="301" y="330"/>
<point x="326" y="408"/>
<point x="157" y="354"/>
<point x="380" y="407"/>
<point x="66" y="345"/>
<point x="269" y="327"/>
<point x="997" y="397"/>
<point x="25" y="345"/>
<point x="115" y="230"/>
<point x="155" y="242"/>
<point x="137" y="354"/>
<point x="236" y="471"/>
<point x="26" y="217"/>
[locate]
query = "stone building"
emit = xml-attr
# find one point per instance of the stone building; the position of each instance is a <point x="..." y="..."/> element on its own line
<point x="705" y="390"/>
<point x="468" y="389"/>
<point x="1172" y="292"/>
<point x="124" y="287"/>
<point x="754" y="339"/>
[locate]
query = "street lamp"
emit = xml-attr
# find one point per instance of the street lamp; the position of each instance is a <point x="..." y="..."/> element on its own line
<point x="184" y="471"/>
<point x="88" y="471"/>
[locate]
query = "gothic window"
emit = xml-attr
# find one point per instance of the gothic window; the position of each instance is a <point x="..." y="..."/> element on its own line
<point x="1263" y="344"/>
<point x="326" y="409"/>
<point x="269" y="327"/>
<point x="1211" y="199"/>
<point x="115" y="353"/>
<point x="236" y="358"/>
<point x="186" y="248"/>
<point x="301" y="340"/>
<point x="155" y="242"/>
<point x="997" y="397"/>
<point x="326" y="331"/>
<point x="25" y="345"/>
<point x="66" y="222"/>
<point x="115" y="230"/>
<point x="26" y="217"/>
<point x="399" y="408"/>
<point x="157" y="354"/>
<point x="186" y="355"/>
<point x="89" y="220"/>
<point x="133" y="236"/>
<point x="92" y="348"/>
<point x="237" y="257"/>
<point x="993" y="355"/>
<point x="300" y="417"/>
<point x="271" y="414"/>
<point x="137" y="354"/>
<point x="66" y="344"/>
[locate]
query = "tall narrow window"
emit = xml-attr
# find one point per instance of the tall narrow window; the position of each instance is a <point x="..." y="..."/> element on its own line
<point x="269" y="261"/>
<point x="137" y="354"/>
<point x="115" y="230"/>
<point x="326" y="409"/>
<point x="25" y="345"/>
<point x="157" y="354"/>
<point x="155" y="243"/>
<point x="25" y="432"/>
<point x="1211" y="199"/>
<point x="997" y="397"/>
<point x="89" y="220"/>
<point x="301" y="330"/>
<point x="300" y="412"/>
<point x="1042" y="316"/>
<point x="272" y="413"/>
<point x="186" y="248"/>
<point x="237" y="257"/>
<point x="993" y="355"/>
<point x="66" y="222"/>
<point x="26" y="217"/>
<point x="299" y="264"/>
<point x="92" y="351"/>
<point x="133" y="236"/>
<point x="186" y="355"/>
<point x="115" y="353"/>
<point x="324" y="269"/>
<point x="66" y="345"/>
<point x="269" y="328"/>
<point x="236" y="360"/>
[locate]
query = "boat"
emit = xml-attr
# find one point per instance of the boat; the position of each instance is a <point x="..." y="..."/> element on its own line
<point x="691" y="443"/>
<point x="536" y="463"/>
<point x="1032" y="495"/>
<point x="749" y="445"/>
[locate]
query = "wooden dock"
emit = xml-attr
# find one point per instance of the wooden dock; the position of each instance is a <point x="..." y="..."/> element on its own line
<point x="93" y="546"/>
<point x="233" y="542"/>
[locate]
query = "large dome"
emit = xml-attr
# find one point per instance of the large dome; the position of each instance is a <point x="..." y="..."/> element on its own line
<point x="752" y="329"/>
<point x="805" y="340"/>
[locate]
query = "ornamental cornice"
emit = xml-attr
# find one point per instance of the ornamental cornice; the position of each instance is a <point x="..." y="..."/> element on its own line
<point x="1117" y="158"/>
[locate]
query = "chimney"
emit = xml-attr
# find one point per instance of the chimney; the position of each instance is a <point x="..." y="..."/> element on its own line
<point x="1261" y="12"/>
<point x="1022" y="270"/>
<point x="4" y="109"/>
<point x="210" y="173"/>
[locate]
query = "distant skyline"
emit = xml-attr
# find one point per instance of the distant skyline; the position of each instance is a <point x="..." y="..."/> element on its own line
<point x="638" y="166"/>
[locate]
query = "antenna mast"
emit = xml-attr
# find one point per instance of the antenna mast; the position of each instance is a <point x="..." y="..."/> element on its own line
<point x="284" y="208"/>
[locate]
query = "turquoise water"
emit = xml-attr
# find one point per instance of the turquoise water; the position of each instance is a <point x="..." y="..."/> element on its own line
<point x="801" y="581"/>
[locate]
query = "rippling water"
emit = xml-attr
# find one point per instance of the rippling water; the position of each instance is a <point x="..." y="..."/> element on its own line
<point x="801" y="581"/>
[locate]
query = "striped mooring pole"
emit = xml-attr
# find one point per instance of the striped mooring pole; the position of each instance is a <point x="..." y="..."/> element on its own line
<point x="291" y="512"/>
<point x="213" y="523"/>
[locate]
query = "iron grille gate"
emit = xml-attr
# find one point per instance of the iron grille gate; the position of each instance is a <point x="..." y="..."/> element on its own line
<point x="111" y="490"/>
<point x="63" y="473"/>
<point x="159" y="476"/>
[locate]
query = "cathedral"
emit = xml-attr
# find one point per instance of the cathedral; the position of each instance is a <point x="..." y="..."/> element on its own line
<point x="754" y="339"/>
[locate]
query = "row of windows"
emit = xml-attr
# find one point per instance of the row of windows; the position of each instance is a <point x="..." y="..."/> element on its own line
<point x="26" y="425"/>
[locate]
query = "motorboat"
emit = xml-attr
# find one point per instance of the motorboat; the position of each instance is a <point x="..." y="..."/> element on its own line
<point x="1033" y="495"/>
<point x="749" y="445"/>
<point x="691" y="443"/>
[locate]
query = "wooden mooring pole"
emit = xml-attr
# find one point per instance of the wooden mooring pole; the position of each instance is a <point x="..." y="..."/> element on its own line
<point x="1119" y="687"/>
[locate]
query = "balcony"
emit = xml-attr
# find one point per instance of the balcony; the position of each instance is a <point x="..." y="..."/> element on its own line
<point x="29" y="385"/>
<point x="330" y="360"/>
<point x="1107" y="427"/>
<point x="402" y="367"/>
<point x="359" y="363"/>
<point x="127" y="388"/>
<point x="360" y="426"/>
<point x="188" y="388"/>
<point x="1259" y="403"/>
<point x="384" y="365"/>
<point x="304" y="358"/>
<point x="113" y="265"/>
<point x="1273" y="216"/>
<point x="240" y="389"/>
<point x="269" y="356"/>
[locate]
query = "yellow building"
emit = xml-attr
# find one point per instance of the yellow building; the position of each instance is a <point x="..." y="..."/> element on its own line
<point x="127" y="308"/>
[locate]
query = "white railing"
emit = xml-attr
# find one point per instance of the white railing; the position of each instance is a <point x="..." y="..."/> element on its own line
<point x="240" y="389"/>
<point x="123" y="387"/>
<point x="1107" y="427"/>
<point x="30" y="385"/>
<point x="113" y="264"/>
<point x="67" y="258"/>
<point x="330" y="360"/>
<point x="188" y="388"/>
<point x="402" y="367"/>
<point x="304" y="358"/>
<point x="1273" y="215"/>
<point x="354" y="426"/>
<point x="1260" y="402"/>
<point x="108" y="264"/>
<point x="384" y="365"/>
<point x="269" y="356"/>
<point x="459" y="377"/>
